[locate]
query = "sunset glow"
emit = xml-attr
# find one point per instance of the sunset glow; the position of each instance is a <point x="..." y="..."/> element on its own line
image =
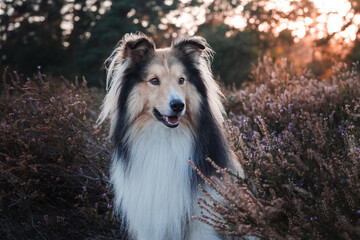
<point x="333" y="15"/>
<point x="188" y="18"/>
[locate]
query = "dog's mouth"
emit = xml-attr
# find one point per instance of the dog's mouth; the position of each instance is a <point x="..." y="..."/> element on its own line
<point x="169" y="121"/>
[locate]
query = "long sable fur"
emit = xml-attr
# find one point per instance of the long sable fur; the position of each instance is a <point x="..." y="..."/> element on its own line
<point x="127" y="66"/>
<point x="121" y="78"/>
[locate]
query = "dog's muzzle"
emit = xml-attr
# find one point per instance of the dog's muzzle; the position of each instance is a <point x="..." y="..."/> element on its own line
<point x="171" y="121"/>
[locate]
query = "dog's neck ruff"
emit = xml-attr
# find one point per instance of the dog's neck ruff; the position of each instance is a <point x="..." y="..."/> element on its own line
<point x="153" y="190"/>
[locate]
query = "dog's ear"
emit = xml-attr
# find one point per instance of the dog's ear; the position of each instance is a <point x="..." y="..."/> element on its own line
<point x="137" y="47"/>
<point x="193" y="46"/>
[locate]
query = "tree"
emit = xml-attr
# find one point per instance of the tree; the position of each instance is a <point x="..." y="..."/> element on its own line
<point x="123" y="17"/>
<point x="31" y="34"/>
<point x="354" y="55"/>
<point x="234" y="54"/>
<point x="44" y="32"/>
<point x="238" y="49"/>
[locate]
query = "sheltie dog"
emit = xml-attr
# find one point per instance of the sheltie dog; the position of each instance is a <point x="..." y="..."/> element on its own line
<point x="165" y="108"/>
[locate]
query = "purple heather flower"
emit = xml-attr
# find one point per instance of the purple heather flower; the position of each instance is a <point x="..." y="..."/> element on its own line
<point x="358" y="211"/>
<point x="341" y="130"/>
<point x="104" y="176"/>
<point x="84" y="188"/>
<point x="109" y="206"/>
<point x="39" y="67"/>
<point x="81" y="171"/>
<point x="331" y="114"/>
<point x="290" y="106"/>
<point x="301" y="183"/>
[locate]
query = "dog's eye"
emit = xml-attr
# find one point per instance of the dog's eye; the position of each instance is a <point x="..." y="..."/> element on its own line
<point x="154" y="81"/>
<point x="181" y="81"/>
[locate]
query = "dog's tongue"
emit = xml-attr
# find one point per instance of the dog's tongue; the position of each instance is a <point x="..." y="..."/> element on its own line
<point x="173" y="119"/>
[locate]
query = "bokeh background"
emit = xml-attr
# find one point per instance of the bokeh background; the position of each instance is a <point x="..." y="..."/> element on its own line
<point x="73" y="38"/>
<point x="289" y="73"/>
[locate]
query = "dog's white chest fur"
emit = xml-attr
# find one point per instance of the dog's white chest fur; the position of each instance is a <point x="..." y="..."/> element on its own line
<point x="155" y="192"/>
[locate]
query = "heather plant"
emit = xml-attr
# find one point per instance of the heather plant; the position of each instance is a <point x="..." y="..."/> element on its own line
<point x="297" y="139"/>
<point x="296" y="136"/>
<point x="53" y="161"/>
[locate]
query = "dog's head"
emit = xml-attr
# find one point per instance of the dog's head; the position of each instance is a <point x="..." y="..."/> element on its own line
<point x="166" y="85"/>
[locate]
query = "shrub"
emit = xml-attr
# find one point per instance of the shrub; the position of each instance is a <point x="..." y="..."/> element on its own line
<point x="297" y="138"/>
<point x="298" y="141"/>
<point x="53" y="161"/>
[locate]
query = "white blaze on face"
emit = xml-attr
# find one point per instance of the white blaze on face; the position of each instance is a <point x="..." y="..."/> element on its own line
<point x="173" y="95"/>
<point x="168" y="74"/>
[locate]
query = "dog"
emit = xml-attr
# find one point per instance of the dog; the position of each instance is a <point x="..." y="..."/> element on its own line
<point x="165" y="108"/>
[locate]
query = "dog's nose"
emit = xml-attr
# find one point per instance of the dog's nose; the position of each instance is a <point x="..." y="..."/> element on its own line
<point x="177" y="105"/>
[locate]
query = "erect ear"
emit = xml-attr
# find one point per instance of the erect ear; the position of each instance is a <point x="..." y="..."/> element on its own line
<point x="137" y="47"/>
<point x="193" y="46"/>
